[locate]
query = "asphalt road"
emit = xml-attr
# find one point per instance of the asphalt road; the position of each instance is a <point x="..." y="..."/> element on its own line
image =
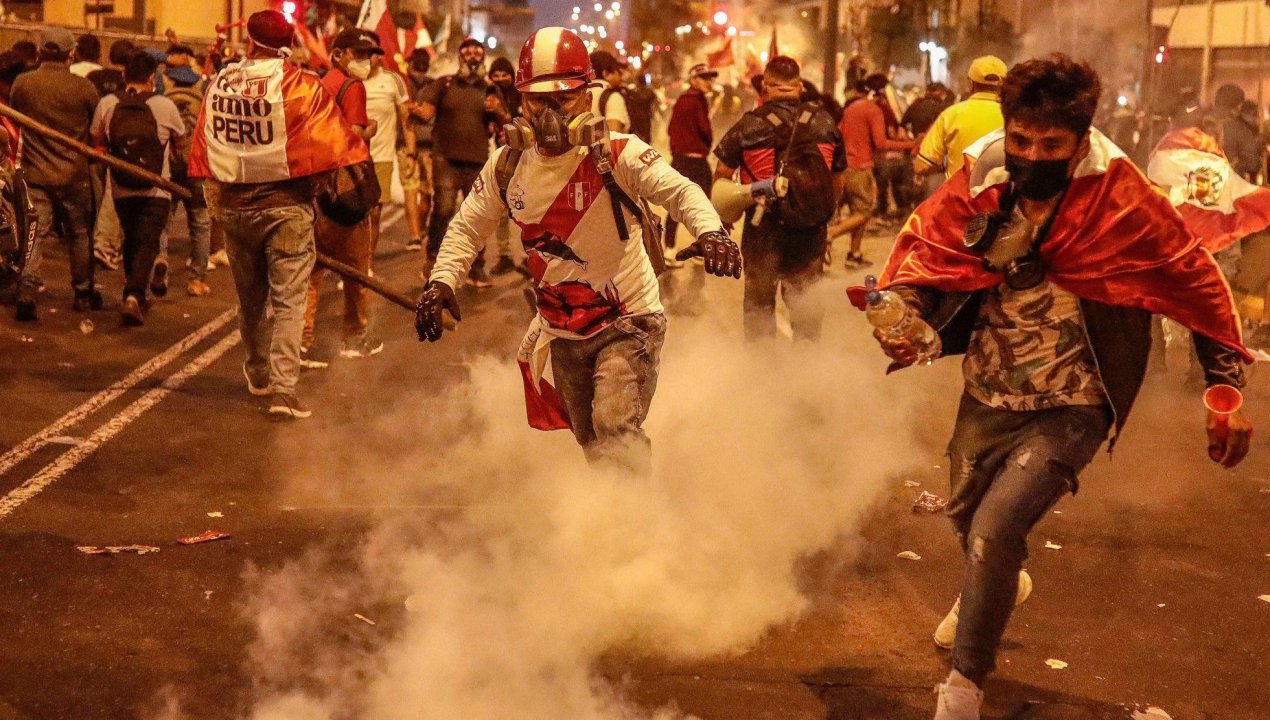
<point x="1152" y="598"/>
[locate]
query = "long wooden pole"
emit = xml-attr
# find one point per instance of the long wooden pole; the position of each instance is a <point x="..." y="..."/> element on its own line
<point x="123" y="166"/>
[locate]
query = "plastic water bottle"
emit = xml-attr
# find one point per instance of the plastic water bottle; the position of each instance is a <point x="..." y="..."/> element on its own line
<point x="895" y="320"/>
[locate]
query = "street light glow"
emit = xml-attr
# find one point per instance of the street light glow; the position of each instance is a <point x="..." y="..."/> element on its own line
<point x="720" y="18"/>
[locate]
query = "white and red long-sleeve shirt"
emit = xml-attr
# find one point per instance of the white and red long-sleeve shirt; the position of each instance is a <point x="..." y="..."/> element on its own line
<point x="585" y="275"/>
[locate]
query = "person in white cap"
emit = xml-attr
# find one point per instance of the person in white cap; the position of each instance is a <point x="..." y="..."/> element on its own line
<point x="579" y="195"/>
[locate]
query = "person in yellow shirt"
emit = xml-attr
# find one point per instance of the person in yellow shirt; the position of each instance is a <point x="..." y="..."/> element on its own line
<point x="959" y="126"/>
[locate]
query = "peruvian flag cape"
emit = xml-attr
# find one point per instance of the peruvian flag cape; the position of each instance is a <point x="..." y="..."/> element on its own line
<point x="1116" y="240"/>
<point x="1218" y="205"/>
<point x="268" y="121"/>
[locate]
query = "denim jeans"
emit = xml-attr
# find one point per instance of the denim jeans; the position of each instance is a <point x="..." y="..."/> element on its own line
<point x="107" y="236"/>
<point x="1007" y="470"/>
<point x="142" y="220"/>
<point x="69" y="207"/>
<point x="607" y="383"/>
<point x="449" y="178"/>
<point x="271" y="254"/>
<point x="200" y="227"/>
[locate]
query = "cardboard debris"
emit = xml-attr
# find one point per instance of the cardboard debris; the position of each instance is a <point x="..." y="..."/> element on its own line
<point x="909" y="555"/>
<point x="1150" y="713"/>
<point x="1264" y="598"/>
<point x="117" y="549"/>
<point x="216" y="514"/>
<point x="364" y="619"/>
<point x="1051" y="545"/>
<point x="912" y="483"/>
<point x="1056" y="664"/>
<point x="929" y="502"/>
<point x="208" y="536"/>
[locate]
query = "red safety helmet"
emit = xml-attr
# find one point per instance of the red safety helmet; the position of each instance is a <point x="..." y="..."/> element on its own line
<point x="553" y="59"/>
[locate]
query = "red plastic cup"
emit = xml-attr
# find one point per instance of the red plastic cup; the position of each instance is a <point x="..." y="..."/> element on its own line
<point x="1223" y="401"/>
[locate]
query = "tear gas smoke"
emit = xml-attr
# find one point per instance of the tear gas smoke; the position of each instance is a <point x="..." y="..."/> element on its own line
<point x="763" y="454"/>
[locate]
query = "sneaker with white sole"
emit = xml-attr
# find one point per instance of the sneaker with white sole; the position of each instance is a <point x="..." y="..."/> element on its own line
<point x="220" y="258"/>
<point x="957" y="703"/>
<point x="309" y="362"/>
<point x="362" y="347"/>
<point x="254" y="389"/>
<point x="287" y="405"/>
<point x="946" y="633"/>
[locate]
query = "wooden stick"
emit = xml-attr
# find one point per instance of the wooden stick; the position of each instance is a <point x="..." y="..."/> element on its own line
<point x="123" y="166"/>
<point x="106" y="159"/>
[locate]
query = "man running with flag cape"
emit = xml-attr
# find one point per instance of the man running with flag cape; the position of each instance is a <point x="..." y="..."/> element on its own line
<point x="1042" y="261"/>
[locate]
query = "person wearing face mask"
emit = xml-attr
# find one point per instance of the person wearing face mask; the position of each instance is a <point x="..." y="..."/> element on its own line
<point x="1042" y="261"/>
<point x="351" y="53"/>
<point x="503" y="101"/>
<point x="457" y="104"/>
<point x="579" y="196"/>
<point x="415" y="168"/>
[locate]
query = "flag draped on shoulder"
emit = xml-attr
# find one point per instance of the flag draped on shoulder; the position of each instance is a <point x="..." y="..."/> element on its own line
<point x="1218" y="205"/>
<point x="1116" y="240"/>
<point x="268" y="121"/>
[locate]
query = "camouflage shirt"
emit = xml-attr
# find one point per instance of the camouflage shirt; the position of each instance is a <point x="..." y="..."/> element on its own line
<point x="1029" y="350"/>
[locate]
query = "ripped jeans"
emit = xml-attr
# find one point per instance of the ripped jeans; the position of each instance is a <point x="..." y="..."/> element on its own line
<point x="1007" y="470"/>
<point x="607" y="382"/>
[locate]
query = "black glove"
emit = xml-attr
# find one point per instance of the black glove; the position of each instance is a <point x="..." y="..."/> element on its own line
<point x="723" y="257"/>
<point x="436" y="298"/>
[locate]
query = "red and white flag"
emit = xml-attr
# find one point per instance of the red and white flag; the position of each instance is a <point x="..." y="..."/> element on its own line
<point x="396" y="42"/>
<point x="268" y="121"/>
<point x="1116" y="240"/>
<point x="1218" y="205"/>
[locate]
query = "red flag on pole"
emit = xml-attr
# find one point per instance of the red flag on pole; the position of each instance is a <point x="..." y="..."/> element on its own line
<point x="723" y="57"/>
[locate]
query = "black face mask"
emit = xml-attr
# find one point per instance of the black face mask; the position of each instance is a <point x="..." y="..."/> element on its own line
<point x="505" y="84"/>
<point x="1037" y="179"/>
<point x="420" y="69"/>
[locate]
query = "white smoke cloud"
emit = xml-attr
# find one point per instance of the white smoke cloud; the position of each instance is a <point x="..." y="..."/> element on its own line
<point x="533" y="565"/>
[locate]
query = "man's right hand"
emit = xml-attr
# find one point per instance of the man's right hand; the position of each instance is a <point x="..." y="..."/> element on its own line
<point x="437" y="297"/>
<point x="898" y="349"/>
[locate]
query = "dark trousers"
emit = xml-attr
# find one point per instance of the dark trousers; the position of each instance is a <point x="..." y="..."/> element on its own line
<point x="696" y="170"/>
<point x="895" y="180"/>
<point x="69" y="208"/>
<point x="449" y="178"/>
<point x="780" y="260"/>
<point x="142" y="220"/>
<point x="1007" y="470"/>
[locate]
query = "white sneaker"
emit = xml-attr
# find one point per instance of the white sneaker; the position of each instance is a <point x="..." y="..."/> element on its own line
<point x="946" y="633"/>
<point x="958" y="703"/>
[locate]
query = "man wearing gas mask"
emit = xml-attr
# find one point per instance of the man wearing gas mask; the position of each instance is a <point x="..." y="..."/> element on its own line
<point x="460" y="144"/>
<point x="580" y="195"/>
<point x="1042" y="260"/>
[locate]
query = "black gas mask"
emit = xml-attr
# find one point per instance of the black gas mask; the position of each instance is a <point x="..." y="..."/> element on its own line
<point x="473" y="69"/>
<point x="1037" y="180"/>
<point x="551" y="125"/>
<point x="1026" y="271"/>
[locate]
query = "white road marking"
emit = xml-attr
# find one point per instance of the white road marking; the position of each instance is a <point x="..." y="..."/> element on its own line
<point x="69" y="459"/>
<point x="24" y="449"/>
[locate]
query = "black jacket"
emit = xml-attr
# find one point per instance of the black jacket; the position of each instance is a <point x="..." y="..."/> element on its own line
<point x="1120" y="338"/>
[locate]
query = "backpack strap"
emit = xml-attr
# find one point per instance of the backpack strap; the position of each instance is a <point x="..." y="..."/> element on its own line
<point x="504" y="169"/>
<point x="604" y="100"/>
<point x="344" y="88"/>
<point x="602" y="156"/>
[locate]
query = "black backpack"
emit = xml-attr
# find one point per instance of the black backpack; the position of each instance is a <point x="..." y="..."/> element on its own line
<point x="811" y="201"/>
<point x="134" y="138"/>
<point x="352" y="191"/>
